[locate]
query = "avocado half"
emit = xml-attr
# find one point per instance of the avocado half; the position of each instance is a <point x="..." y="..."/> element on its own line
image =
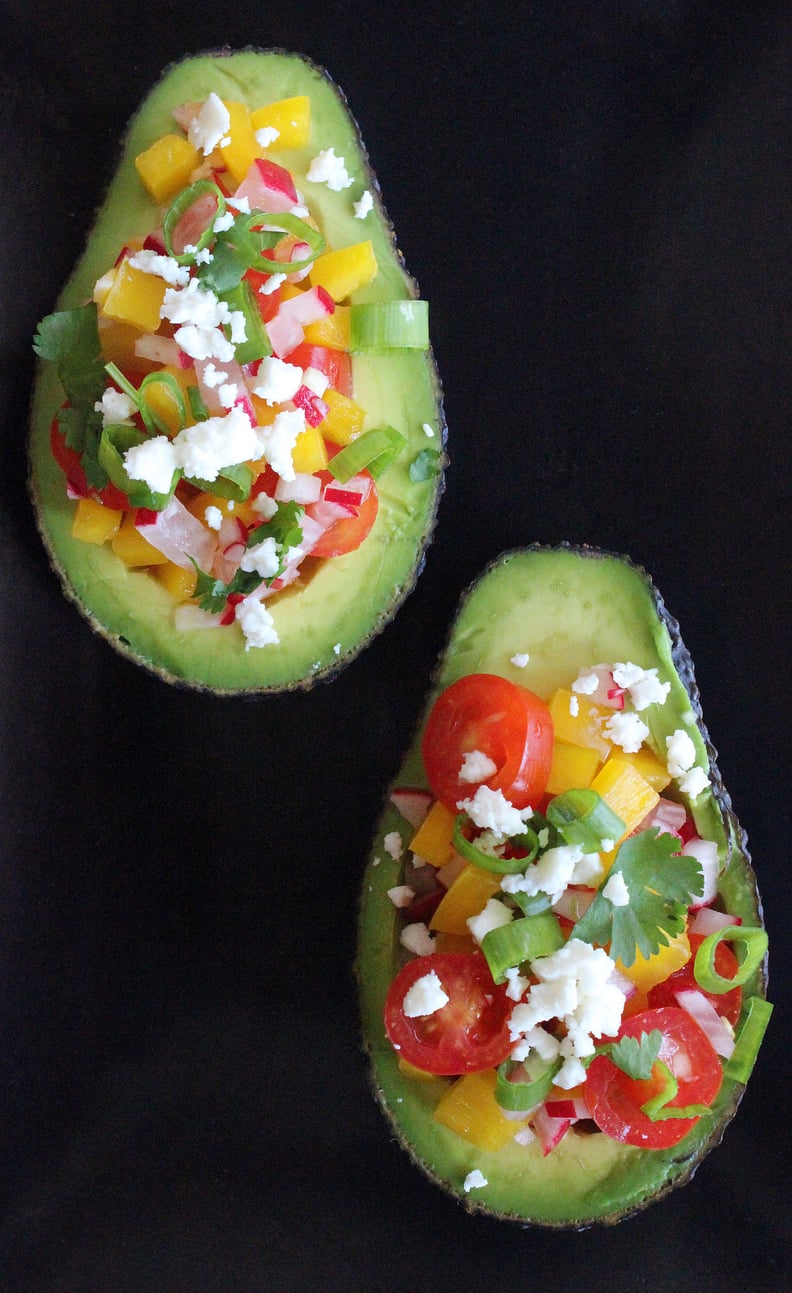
<point x="567" y="608"/>
<point x="325" y="622"/>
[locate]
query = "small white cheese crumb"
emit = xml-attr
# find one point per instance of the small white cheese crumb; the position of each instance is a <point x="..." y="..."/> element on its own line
<point x="476" y="767"/>
<point x="694" y="782"/>
<point x="262" y="559"/>
<point x="393" y="843"/>
<point x="266" y="136"/>
<point x="277" y="441"/>
<point x="265" y="506"/>
<point x="494" y="916"/>
<point x="271" y="284"/>
<point x="574" y="706"/>
<point x="586" y="684"/>
<point x="363" y="205"/>
<point x="328" y="169"/>
<point x="256" y="623"/>
<point x="208" y="129"/>
<point x="520" y="659"/>
<point x="680" y="753"/>
<point x="337" y="648"/>
<point x="474" y="1181"/>
<point x="164" y="267"/>
<point x="115" y="406"/>
<point x="213" y="517"/>
<point x="644" y="685"/>
<point x="425" y="996"/>
<point x="616" y="890"/>
<point x="401" y="895"/>
<point x="427" y="430"/>
<point x="277" y="381"/>
<point x="517" y="983"/>
<point x="627" y="730"/>
<point x="491" y="810"/>
<point x="416" y="938"/>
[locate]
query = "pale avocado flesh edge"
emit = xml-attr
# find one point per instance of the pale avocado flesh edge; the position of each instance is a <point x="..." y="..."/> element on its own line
<point x="330" y="617"/>
<point x="566" y="607"/>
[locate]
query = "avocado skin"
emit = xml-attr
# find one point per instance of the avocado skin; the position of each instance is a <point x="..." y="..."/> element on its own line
<point x="325" y="622"/>
<point x="567" y="606"/>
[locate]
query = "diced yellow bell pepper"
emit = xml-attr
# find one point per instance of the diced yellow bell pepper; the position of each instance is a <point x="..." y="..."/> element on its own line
<point x="310" y="451"/>
<point x="167" y="165"/>
<point x="332" y="330"/>
<point x="179" y="582"/>
<point x="129" y="544"/>
<point x="647" y="971"/>
<point x="93" y="522"/>
<point x="290" y="117"/>
<point x="470" y="1109"/>
<point x="585" y="726"/>
<point x="118" y="345"/>
<point x="627" y="793"/>
<point x="445" y="942"/>
<point x="341" y="272"/>
<point x="466" y="897"/>
<point x="573" y="768"/>
<point x="164" y="405"/>
<point x="345" y="419"/>
<point x="241" y="150"/>
<point x="135" y="298"/>
<point x="433" y="841"/>
<point x="647" y="763"/>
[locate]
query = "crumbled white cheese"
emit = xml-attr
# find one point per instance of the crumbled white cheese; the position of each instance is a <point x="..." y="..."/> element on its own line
<point x="573" y="986"/>
<point x="516" y="983"/>
<point x="364" y="204"/>
<point x="328" y="169"/>
<point x="239" y="204"/>
<point x="494" y="915"/>
<point x="589" y="867"/>
<point x="263" y="558"/>
<point x="491" y="810"/>
<point x="627" y="730"/>
<point x="416" y="938"/>
<point x="694" y="782"/>
<point x="165" y="267"/>
<point x="537" y="1039"/>
<point x="205" y="448"/>
<point x="214" y="377"/>
<point x="425" y="996"/>
<point x="574" y="706"/>
<point x="316" y="381"/>
<point x="520" y="659"/>
<point x="277" y="441"/>
<point x="586" y="684"/>
<point x="616" y="890"/>
<point x="644" y="685"/>
<point x="208" y="128"/>
<point x="115" y="406"/>
<point x="474" y="1180"/>
<point x="266" y="136"/>
<point x="223" y="222"/>
<point x="228" y="394"/>
<point x="393" y="845"/>
<point x="154" y="461"/>
<point x="551" y="874"/>
<point x="256" y="623"/>
<point x="428" y="430"/>
<point x="680" y="753"/>
<point x="201" y="316"/>
<point x="265" y="506"/>
<point x="213" y="517"/>
<point x="271" y="284"/>
<point x="401" y="895"/>
<point x="476" y="767"/>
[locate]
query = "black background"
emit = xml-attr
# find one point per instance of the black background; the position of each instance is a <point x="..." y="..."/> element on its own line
<point x="596" y="200"/>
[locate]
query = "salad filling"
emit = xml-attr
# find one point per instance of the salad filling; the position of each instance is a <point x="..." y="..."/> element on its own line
<point x="567" y="964"/>
<point x="209" y="431"/>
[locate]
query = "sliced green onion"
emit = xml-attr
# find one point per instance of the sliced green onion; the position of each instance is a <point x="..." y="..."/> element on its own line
<point x="256" y="344"/>
<point x="582" y="817"/>
<point x="519" y="1097"/>
<point x="490" y="861"/>
<point x="114" y="372"/>
<point x="754" y="941"/>
<point x="198" y="409"/>
<point x="659" y="1108"/>
<point x="389" y="325"/>
<point x="361" y="453"/>
<point x="179" y="208"/>
<point x="232" y="482"/>
<point x="152" y="420"/>
<point x="525" y="939"/>
<point x="115" y="440"/>
<point x="739" y="1065"/>
<point x="263" y="223"/>
<point x="385" y="460"/>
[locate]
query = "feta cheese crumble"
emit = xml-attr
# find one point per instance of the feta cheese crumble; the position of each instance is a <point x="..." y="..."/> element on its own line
<point x="364" y="204"/>
<point x="266" y="136"/>
<point x="627" y="730"/>
<point x="644" y="685"/>
<point x="328" y="169"/>
<point x="426" y="996"/>
<point x="476" y="767"/>
<point x="550" y="874"/>
<point x="209" y="127"/>
<point x="616" y="890"/>
<point x="164" y="267"/>
<point x="213" y="517"/>
<point x="417" y="939"/>
<point x="401" y="895"/>
<point x="277" y="441"/>
<point x="256" y="623"/>
<point x="474" y="1180"/>
<point x="520" y="659"/>
<point x="277" y="381"/>
<point x="680" y="753"/>
<point x="114" y="406"/>
<point x="263" y="558"/>
<point x="491" y="810"/>
<point x="494" y="915"/>
<point x="393" y="845"/>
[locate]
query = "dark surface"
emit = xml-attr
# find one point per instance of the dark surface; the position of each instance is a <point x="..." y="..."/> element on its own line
<point x="596" y="200"/>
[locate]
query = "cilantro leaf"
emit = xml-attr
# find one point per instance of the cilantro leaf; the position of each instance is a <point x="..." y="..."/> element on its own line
<point x="424" y="465"/>
<point x="284" y="527"/>
<point x="70" y="340"/>
<point x="636" y="1056"/>
<point x="661" y="884"/>
<point x="212" y="594"/>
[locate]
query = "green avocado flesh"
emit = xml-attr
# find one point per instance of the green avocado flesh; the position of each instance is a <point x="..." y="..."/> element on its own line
<point x="326" y="620"/>
<point x="567" y="608"/>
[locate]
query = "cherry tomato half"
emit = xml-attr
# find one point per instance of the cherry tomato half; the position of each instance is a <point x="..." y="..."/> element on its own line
<point x="728" y="1004"/>
<point x="615" y="1100"/>
<point x="509" y="724"/>
<point x="469" y="1033"/>
<point x="349" y="532"/>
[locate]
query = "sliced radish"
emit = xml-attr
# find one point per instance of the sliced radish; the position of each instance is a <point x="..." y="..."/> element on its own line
<point x="607" y="692"/>
<point x="305" y="488"/>
<point x="706" y="854"/>
<point x="268" y="187"/>
<point x="708" y="921"/>
<point x="178" y="535"/>
<point x="668" y="816"/>
<point x="574" y="903"/>
<point x="162" y="350"/>
<point x="412" y="804"/>
<point x="708" y="1020"/>
<point x="312" y="405"/>
<point x="573" y="1109"/>
<point x="285" y="334"/>
<point x="549" y="1130"/>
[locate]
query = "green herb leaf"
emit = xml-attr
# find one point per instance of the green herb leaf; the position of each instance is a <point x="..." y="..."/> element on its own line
<point x="424" y="465"/>
<point x="661" y="884"/>
<point x="70" y="340"/>
<point x="284" y="528"/>
<point x="636" y="1056"/>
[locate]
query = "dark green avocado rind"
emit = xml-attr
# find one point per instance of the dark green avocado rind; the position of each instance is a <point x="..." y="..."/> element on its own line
<point x="324" y="624"/>
<point x="567" y="607"/>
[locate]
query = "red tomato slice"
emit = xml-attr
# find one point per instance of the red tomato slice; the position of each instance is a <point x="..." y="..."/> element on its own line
<point x="349" y="532"/>
<point x="468" y="1034"/>
<point x="615" y="1100"/>
<point x="728" y="1004"/>
<point x="509" y="724"/>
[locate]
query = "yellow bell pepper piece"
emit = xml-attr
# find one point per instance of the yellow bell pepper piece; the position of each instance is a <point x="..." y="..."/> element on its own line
<point x="470" y="1109"/>
<point x="583" y="727"/>
<point x="167" y="165"/>
<point x="164" y="405"/>
<point x="332" y="330"/>
<point x="93" y="522"/>
<point x="573" y="768"/>
<point x="627" y="793"/>
<point x="341" y="272"/>
<point x="290" y="117"/>
<point x="445" y="942"/>
<point x="647" y="971"/>
<point x="241" y="149"/>
<point x="132" y="548"/>
<point x="179" y="582"/>
<point x="135" y="298"/>
<point x="433" y="841"/>
<point x="310" y="451"/>
<point x="345" y="419"/>
<point x="647" y="763"/>
<point x="466" y="897"/>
